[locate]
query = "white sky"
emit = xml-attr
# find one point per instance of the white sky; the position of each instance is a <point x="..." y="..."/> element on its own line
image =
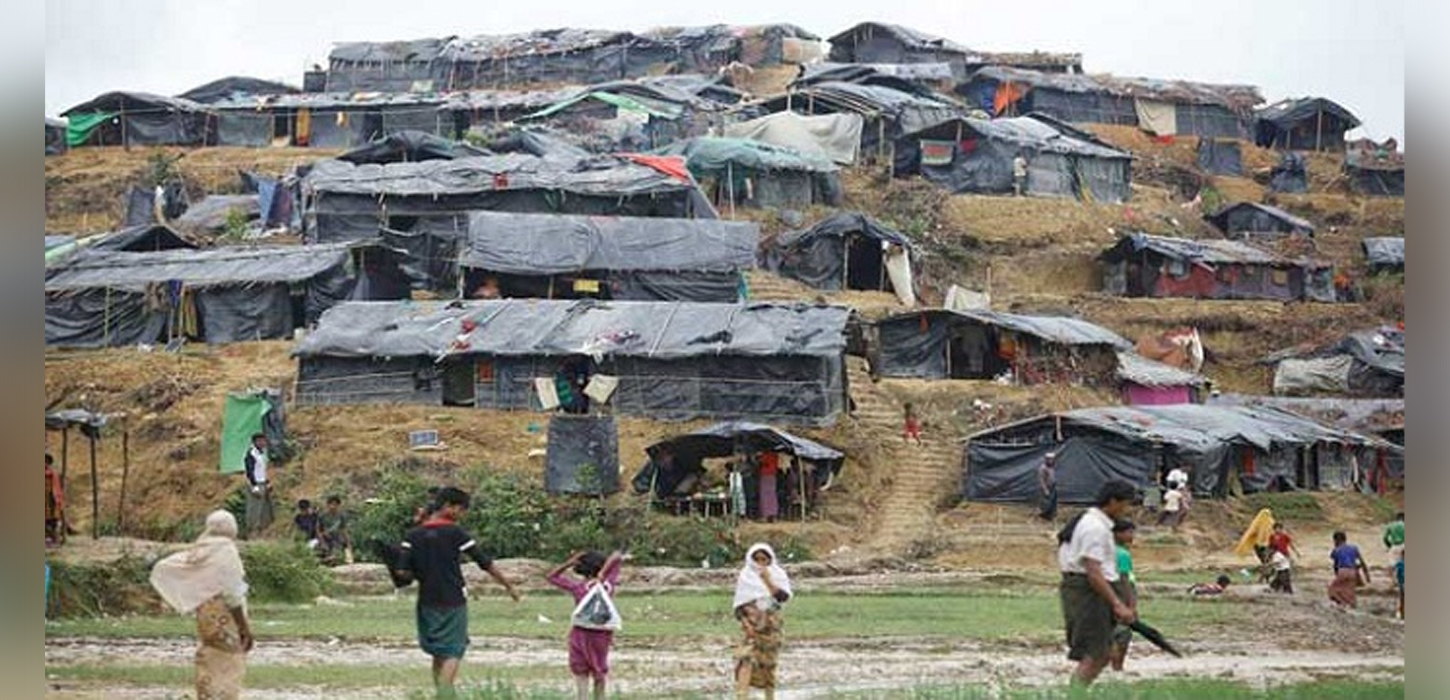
<point x="1350" y="51"/>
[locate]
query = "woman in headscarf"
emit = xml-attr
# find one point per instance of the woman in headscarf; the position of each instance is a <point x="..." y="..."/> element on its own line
<point x="760" y="591"/>
<point x="1256" y="538"/>
<point x="207" y="579"/>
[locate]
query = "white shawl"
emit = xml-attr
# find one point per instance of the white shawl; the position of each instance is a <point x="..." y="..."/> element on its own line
<point x="210" y="567"/>
<point x="749" y="587"/>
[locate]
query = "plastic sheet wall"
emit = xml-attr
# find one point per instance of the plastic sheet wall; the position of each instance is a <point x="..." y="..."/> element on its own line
<point x="583" y="455"/>
<point x="1007" y="473"/>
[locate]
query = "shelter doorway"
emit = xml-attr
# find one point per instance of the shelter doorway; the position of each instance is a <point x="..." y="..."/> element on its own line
<point x="865" y="269"/>
<point x="458" y="384"/>
<point x="971" y="353"/>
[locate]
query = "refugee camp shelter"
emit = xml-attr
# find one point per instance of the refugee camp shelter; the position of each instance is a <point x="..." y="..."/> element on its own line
<point x="676" y="465"/>
<point x="757" y="174"/>
<point x="1254" y="220"/>
<point x="1303" y="124"/>
<point x="943" y="344"/>
<point x="886" y="113"/>
<point x="219" y="295"/>
<point x="137" y="119"/>
<point x="1146" y="382"/>
<point x="975" y="155"/>
<point x="662" y="360"/>
<point x="388" y="66"/>
<point x="345" y="201"/>
<point x="1220" y="157"/>
<point x="924" y="79"/>
<point x="877" y="42"/>
<point x="561" y="256"/>
<point x="470" y="109"/>
<point x="1160" y="107"/>
<point x="1143" y="265"/>
<point x="1384" y="254"/>
<point x="706" y="49"/>
<point x="325" y="120"/>
<point x="1290" y="175"/>
<point x="833" y="137"/>
<point x="235" y="87"/>
<point x="1227" y="450"/>
<point x="628" y="116"/>
<point x="410" y="147"/>
<point x="1375" y="175"/>
<point x="847" y="250"/>
<point x="132" y="239"/>
<point x="55" y="130"/>
<point x="1366" y="363"/>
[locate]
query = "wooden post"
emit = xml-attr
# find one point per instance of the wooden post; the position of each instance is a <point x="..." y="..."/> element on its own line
<point x="801" y="470"/>
<point x="730" y="186"/>
<point x="125" y="473"/>
<point x="95" y="493"/>
<point x="1319" y="130"/>
<point x="64" y="462"/>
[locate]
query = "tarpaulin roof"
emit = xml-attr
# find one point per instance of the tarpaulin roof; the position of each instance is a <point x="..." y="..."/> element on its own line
<point x="543" y="244"/>
<point x="1220" y="219"/>
<point x="484" y="100"/>
<point x="1198" y="428"/>
<point x="196" y="268"/>
<point x="235" y="86"/>
<point x="211" y="213"/>
<point x="415" y="50"/>
<point x="597" y="175"/>
<point x="328" y="100"/>
<point x="1364" y="415"/>
<point x="55" y="123"/>
<point x="1208" y="251"/>
<point x="486" y="47"/>
<point x="711" y="155"/>
<point x="695" y="34"/>
<point x="535" y="139"/>
<point x="1053" y="329"/>
<point x="726" y="439"/>
<point x="1285" y="112"/>
<point x="405" y="146"/>
<point x="841" y="224"/>
<point x="57" y="241"/>
<point x="519" y="327"/>
<point x="906" y="35"/>
<point x="629" y="103"/>
<point x="1383" y="349"/>
<point x="140" y="239"/>
<point x="833" y="136"/>
<point x="1235" y="97"/>
<point x="75" y="417"/>
<point x="1031" y="131"/>
<point x="866" y="99"/>
<point x="139" y="102"/>
<point x="1387" y="251"/>
<point x="1137" y="369"/>
<point x="906" y="77"/>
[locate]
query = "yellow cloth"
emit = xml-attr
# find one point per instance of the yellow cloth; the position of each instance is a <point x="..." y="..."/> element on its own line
<point x="210" y="568"/>
<point x="1258" y="533"/>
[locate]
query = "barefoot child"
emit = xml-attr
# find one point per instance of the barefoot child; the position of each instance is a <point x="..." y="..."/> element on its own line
<point x="588" y="648"/>
<point x="912" y="429"/>
<point x="1127" y="589"/>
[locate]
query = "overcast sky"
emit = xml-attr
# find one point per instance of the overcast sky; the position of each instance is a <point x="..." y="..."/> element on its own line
<point x="1351" y="51"/>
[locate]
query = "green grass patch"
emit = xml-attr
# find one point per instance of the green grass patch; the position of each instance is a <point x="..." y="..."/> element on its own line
<point x="401" y="676"/>
<point x="1176" y="689"/>
<point x="1031" y="615"/>
<point x="1292" y="506"/>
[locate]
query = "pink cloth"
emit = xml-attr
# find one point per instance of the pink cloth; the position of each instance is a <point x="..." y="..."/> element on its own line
<point x="1139" y="395"/>
<point x="769" y="499"/>
<point x="589" y="649"/>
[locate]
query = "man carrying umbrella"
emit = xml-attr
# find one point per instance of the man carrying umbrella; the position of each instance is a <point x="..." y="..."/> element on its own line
<point x="1088" y="559"/>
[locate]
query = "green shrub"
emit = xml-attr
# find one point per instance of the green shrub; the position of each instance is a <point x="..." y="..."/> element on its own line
<point x="284" y="573"/>
<point x="121" y="587"/>
<point x="1286" y="506"/>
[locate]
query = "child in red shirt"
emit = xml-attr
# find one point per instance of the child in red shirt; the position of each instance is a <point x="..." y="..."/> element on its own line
<point x="912" y="429"/>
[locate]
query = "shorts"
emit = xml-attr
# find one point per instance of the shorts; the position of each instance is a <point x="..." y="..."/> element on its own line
<point x="1087" y="618"/>
<point x="443" y="631"/>
<point x="1400" y="574"/>
<point x="1122" y="634"/>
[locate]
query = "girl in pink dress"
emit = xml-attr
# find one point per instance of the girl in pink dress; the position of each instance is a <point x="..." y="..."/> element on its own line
<point x="588" y="648"/>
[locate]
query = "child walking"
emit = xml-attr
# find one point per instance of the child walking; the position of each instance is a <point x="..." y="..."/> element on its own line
<point x="912" y="428"/>
<point x="588" y="648"/>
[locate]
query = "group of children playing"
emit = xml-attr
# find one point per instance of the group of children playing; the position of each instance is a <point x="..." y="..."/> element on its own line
<point x="325" y="532"/>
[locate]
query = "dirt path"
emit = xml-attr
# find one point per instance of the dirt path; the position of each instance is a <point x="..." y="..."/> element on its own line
<point x="808" y="669"/>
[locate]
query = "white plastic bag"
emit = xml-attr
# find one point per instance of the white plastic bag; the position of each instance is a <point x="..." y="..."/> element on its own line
<point x="596" y="610"/>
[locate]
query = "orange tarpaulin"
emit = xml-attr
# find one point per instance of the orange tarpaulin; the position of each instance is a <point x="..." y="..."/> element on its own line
<point x="673" y="166"/>
<point x="1007" y="95"/>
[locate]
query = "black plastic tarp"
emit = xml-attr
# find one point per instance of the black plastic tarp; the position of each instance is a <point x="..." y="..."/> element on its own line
<point x="818" y="255"/>
<point x="1290" y="175"/>
<point x="1384" y="254"/>
<point x="1376" y="182"/>
<point x="1220" y="157"/>
<point x="213" y="213"/>
<point x="673" y="459"/>
<point x="546" y="244"/>
<point x="1258" y="219"/>
<point x="1303" y="124"/>
<point x="142" y="239"/>
<point x="144" y="119"/>
<point x="917" y="344"/>
<point x="234" y="87"/>
<point x="141" y="203"/>
<point x="1007" y="473"/>
<point x="410" y="146"/>
<point x="583" y="455"/>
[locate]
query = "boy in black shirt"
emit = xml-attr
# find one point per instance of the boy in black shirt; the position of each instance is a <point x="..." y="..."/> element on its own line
<point x="431" y="554"/>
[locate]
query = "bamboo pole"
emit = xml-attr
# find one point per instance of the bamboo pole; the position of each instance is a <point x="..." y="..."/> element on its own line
<point x="95" y="493"/>
<point x="64" y="463"/>
<point x="1319" y="130"/>
<point x="125" y="474"/>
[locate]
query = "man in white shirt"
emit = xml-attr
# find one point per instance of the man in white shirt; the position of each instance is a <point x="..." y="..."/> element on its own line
<point x="1173" y="503"/>
<point x="1088" y="559"/>
<point x="1177" y="478"/>
<point x="1019" y="175"/>
<point x="259" y="493"/>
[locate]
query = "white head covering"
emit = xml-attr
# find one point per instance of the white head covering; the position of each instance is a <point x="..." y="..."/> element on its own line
<point x="210" y="567"/>
<point x="749" y="587"/>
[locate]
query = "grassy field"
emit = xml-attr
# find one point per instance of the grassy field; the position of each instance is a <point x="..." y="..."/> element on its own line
<point x="1031" y="615"/>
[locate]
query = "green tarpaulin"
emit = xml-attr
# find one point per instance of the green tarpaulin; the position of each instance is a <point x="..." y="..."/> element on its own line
<point x="629" y="104"/>
<point x="241" y="419"/>
<point x="79" y="127"/>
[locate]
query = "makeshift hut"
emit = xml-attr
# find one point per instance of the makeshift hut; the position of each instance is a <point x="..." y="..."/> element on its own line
<point x="1384" y="255"/>
<point x="886" y="113"/>
<point x="344" y="201"/>
<point x="1220" y="157"/>
<point x="146" y="238"/>
<point x="847" y="250"/>
<point x="1367" y="363"/>
<point x="410" y="147"/>
<point x="215" y="213"/>
<point x="757" y="174"/>
<point x="1142" y="265"/>
<point x="976" y="155"/>
<point x="662" y="360"/>
<point x="1146" y="382"/>
<point x="470" y="109"/>
<point x="235" y="87"/>
<point x="1161" y="107"/>
<point x="629" y="122"/>
<point x="1254" y="220"/>
<point x="559" y="256"/>
<point x="325" y="120"/>
<point x="943" y="344"/>
<point x="673" y="473"/>
<point x="924" y="79"/>
<point x="387" y="66"/>
<point x="702" y="49"/>
<point x="137" y="119"/>
<point x="220" y="295"/>
<point x="833" y="137"/>
<point x="1375" y="174"/>
<point x="876" y="42"/>
<point x="1304" y="124"/>
<point x="1227" y="450"/>
<point x="1290" y="175"/>
<point x="55" y="135"/>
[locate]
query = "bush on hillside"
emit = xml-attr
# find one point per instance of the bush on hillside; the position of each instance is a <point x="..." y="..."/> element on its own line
<point x="284" y="573"/>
